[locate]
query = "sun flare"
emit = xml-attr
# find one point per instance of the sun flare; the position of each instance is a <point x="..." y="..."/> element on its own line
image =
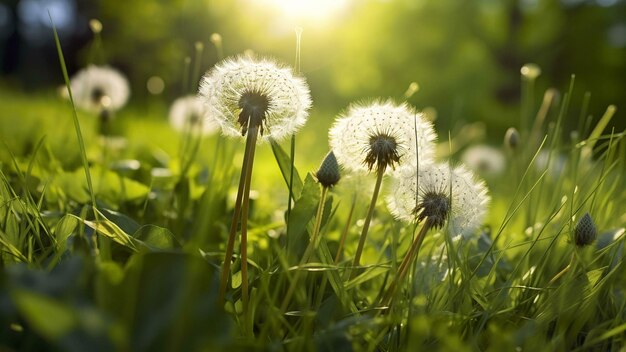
<point x="308" y="9"/>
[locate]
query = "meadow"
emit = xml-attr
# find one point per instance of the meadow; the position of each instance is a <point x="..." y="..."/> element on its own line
<point x="119" y="231"/>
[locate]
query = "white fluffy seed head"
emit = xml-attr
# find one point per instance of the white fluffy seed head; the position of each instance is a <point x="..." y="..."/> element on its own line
<point x="187" y="114"/>
<point x="99" y="87"/>
<point x="468" y="196"/>
<point x="286" y="96"/>
<point x="484" y="160"/>
<point x="354" y="134"/>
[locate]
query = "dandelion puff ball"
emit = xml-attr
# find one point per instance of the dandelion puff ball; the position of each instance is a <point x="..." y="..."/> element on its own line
<point x="484" y="160"/>
<point x="236" y="83"/>
<point x="411" y="189"/>
<point x="99" y="87"/>
<point x="381" y="134"/>
<point x="187" y="114"/>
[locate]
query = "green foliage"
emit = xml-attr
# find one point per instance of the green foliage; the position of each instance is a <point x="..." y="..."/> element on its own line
<point x="116" y="243"/>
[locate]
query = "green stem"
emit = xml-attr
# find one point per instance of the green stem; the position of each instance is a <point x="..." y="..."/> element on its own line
<point x="309" y="250"/>
<point x="342" y="241"/>
<point x="291" y="168"/>
<point x="196" y="67"/>
<point x="405" y="265"/>
<point x="344" y="234"/>
<point x="253" y="133"/>
<point x="368" y="219"/>
<point x="562" y="272"/>
<point x="233" y="225"/>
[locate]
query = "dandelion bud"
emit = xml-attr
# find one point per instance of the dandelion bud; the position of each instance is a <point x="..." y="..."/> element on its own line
<point x="95" y="25"/>
<point x="328" y="174"/>
<point x="530" y="71"/>
<point x="585" y="232"/>
<point x="216" y="39"/>
<point x="511" y="138"/>
<point x="199" y="46"/>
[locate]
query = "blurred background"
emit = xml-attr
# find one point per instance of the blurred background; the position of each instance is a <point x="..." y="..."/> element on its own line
<point x="464" y="55"/>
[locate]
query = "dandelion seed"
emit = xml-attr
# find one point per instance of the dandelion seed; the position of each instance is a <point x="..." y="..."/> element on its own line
<point x="98" y="88"/>
<point x="484" y="160"/>
<point x="464" y="206"/>
<point x="187" y="114"/>
<point x="242" y="93"/>
<point x="381" y="135"/>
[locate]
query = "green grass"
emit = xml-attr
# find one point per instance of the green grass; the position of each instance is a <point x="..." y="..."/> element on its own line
<point x="140" y="270"/>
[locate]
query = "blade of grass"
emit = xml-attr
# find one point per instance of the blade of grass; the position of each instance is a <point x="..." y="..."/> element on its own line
<point x="79" y="135"/>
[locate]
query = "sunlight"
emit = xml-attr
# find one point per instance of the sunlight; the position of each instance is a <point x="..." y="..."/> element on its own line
<point x="309" y="9"/>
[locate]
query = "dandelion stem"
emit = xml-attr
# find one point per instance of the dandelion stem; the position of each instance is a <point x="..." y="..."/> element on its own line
<point x="233" y="225"/>
<point x="308" y="251"/>
<point x="406" y="262"/>
<point x="292" y="157"/>
<point x="344" y="234"/>
<point x="368" y="219"/>
<point x="196" y="66"/>
<point x="342" y="241"/>
<point x="251" y="144"/>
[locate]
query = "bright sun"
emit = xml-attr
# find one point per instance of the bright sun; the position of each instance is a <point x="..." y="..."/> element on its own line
<point x="309" y="9"/>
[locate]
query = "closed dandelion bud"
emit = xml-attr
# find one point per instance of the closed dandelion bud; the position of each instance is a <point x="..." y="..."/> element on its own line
<point x="530" y="71"/>
<point x="511" y="138"/>
<point x="95" y="25"/>
<point x="585" y="232"/>
<point x="328" y="174"/>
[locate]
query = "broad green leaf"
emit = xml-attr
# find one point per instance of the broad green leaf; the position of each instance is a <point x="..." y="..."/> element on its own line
<point x="284" y="163"/>
<point x="302" y="213"/>
<point x="155" y="237"/>
<point x="48" y="317"/>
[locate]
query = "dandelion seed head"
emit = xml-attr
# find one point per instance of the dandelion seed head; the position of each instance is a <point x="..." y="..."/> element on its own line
<point x="187" y="114"/>
<point x="98" y="87"/>
<point x="381" y="134"/>
<point x="244" y="92"/>
<point x="484" y="160"/>
<point x="440" y="194"/>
